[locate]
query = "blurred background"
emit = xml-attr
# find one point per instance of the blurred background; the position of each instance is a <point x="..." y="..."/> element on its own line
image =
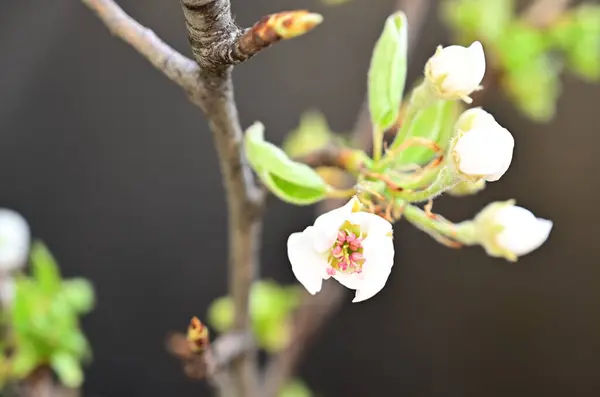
<point x="116" y="172"/>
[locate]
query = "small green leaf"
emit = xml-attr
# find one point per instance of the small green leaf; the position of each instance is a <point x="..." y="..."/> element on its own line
<point x="535" y="88"/>
<point x="435" y="123"/>
<point x="520" y="45"/>
<point x="67" y="369"/>
<point x="220" y="314"/>
<point x="44" y="268"/>
<point x="79" y="293"/>
<point x="296" y="388"/>
<point x="387" y="73"/>
<point x="25" y="360"/>
<point x="292" y="182"/>
<point x="478" y="20"/>
<point x="312" y="133"/>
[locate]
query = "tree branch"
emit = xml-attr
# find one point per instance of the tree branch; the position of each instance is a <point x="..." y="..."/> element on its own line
<point x="218" y="43"/>
<point x="180" y="69"/>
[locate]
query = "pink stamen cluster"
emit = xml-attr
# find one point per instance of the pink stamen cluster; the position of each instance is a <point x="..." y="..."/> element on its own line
<point x="346" y="254"/>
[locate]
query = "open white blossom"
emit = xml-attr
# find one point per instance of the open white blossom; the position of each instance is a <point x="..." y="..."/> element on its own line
<point x="521" y="231"/>
<point x="483" y="149"/>
<point x="14" y="240"/>
<point x="354" y="247"/>
<point x="456" y="71"/>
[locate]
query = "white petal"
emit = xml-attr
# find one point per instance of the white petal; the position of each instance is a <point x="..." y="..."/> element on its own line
<point x="379" y="259"/>
<point x="486" y="152"/>
<point x="477" y="62"/>
<point x="308" y="265"/>
<point x="351" y="281"/>
<point x="14" y="240"/>
<point x="328" y="224"/>
<point x="370" y="224"/>
<point x="523" y="232"/>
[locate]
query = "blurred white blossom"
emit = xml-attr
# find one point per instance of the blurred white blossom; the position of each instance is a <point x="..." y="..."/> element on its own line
<point x="14" y="240"/>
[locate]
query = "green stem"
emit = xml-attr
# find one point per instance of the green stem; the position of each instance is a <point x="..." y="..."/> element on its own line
<point x="446" y="179"/>
<point x="463" y="232"/>
<point x="377" y="144"/>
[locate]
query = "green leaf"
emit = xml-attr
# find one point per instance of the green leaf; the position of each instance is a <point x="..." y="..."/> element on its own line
<point x="312" y="133"/>
<point x="387" y="73"/>
<point x="478" y="20"/>
<point x="521" y="45"/>
<point x="67" y="369"/>
<point x="221" y="313"/>
<point x="292" y="182"/>
<point x="25" y="359"/>
<point x="296" y="388"/>
<point x="44" y="268"/>
<point x="79" y="293"/>
<point x="435" y="123"/>
<point x="535" y="88"/>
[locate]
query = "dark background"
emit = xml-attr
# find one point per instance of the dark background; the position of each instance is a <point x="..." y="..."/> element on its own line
<point x="115" y="170"/>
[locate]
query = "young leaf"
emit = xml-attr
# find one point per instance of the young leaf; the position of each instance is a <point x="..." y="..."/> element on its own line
<point x="435" y="123"/>
<point x="220" y="314"/>
<point x="387" y="74"/>
<point x="67" y="369"/>
<point x="312" y="133"/>
<point x="79" y="293"/>
<point x="295" y="388"/>
<point x="25" y="359"/>
<point x="292" y="182"/>
<point x="45" y="270"/>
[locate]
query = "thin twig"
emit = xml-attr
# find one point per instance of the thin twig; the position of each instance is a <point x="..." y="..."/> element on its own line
<point x="218" y="43"/>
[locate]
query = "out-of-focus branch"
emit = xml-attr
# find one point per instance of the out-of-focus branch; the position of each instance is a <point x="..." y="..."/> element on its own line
<point x="542" y="13"/>
<point x="315" y="310"/>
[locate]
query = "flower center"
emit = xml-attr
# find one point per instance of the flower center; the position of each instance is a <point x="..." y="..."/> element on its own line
<point x="347" y="252"/>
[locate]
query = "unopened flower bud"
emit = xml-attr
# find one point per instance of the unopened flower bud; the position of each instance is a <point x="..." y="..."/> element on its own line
<point x="483" y="149"/>
<point x="197" y="336"/>
<point x="455" y="71"/>
<point x="510" y="231"/>
<point x="14" y="240"/>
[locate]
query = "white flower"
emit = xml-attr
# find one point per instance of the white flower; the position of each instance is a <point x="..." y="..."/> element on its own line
<point x="354" y="247"/>
<point x="14" y="240"/>
<point x="483" y="149"/>
<point x="7" y="290"/>
<point x="521" y="231"/>
<point x="456" y="71"/>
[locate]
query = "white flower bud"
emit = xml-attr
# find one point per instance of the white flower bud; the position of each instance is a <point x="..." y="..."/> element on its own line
<point x="521" y="231"/>
<point x="509" y="231"/>
<point x="14" y="240"/>
<point x="483" y="148"/>
<point x="352" y="246"/>
<point x="455" y="71"/>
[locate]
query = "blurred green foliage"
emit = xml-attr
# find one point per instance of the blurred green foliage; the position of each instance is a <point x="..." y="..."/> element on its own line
<point x="270" y="309"/>
<point x="296" y="388"/>
<point x="43" y="323"/>
<point x="528" y="60"/>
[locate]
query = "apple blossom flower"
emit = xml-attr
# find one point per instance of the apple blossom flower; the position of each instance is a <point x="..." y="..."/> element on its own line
<point x="483" y="148"/>
<point x="14" y="240"/>
<point x="455" y="71"/>
<point x="352" y="246"/>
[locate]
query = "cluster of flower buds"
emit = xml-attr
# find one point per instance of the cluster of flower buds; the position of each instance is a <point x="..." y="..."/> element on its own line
<point x="355" y="247"/>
